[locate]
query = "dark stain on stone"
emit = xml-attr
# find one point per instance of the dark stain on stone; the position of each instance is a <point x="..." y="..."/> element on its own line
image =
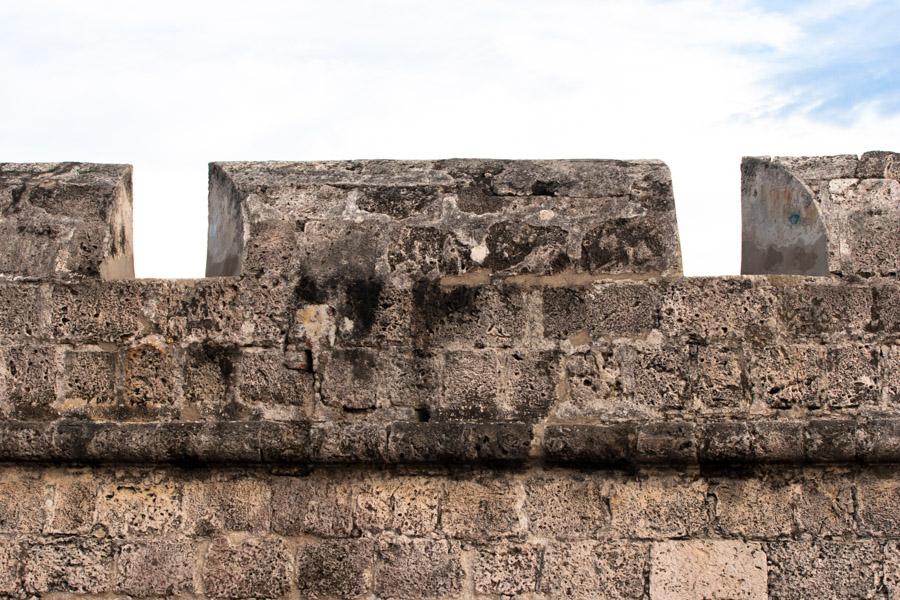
<point x="363" y="296"/>
<point x="544" y="188"/>
<point x="511" y="243"/>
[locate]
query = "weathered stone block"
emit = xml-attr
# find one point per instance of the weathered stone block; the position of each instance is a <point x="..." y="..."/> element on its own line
<point x="601" y="310"/>
<point x="335" y="568"/>
<point x="22" y="504"/>
<point x="408" y="505"/>
<point x="94" y="311"/>
<point x="819" y="309"/>
<point x="79" y="565"/>
<point x="584" y="570"/>
<point x="24" y="311"/>
<point x="208" y="382"/>
<point x="719" y="308"/>
<point x="160" y="567"/>
<point x="471" y="386"/>
<point x="268" y="385"/>
<point x="507" y="569"/>
<point x="452" y="442"/>
<point x="713" y="570"/>
<point x="28" y="376"/>
<point x="719" y="375"/>
<point x="91" y="378"/>
<point x="590" y="386"/>
<point x="827" y="569"/>
<point x="74" y="499"/>
<point x="10" y="565"/>
<point x="787" y="376"/>
<point x="313" y="504"/>
<point x="78" y="215"/>
<point x="248" y="568"/>
<point x="216" y="504"/>
<point x="659" y="506"/>
<point x="878" y="494"/>
<point x="878" y="165"/>
<point x="739" y="501"/>
<point x="481" y="509"/>
<point x="151" y="380"/>
<point x="566" y="505"/>
<point x="654" y="376"/>
<point x="417" y="568"/>
<point x="527" y="385"/>
<point x="482" y="316"/>
<point x="142" y="507"/>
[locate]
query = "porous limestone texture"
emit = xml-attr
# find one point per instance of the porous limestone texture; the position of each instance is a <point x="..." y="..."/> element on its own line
<point x="452" y="379"/>
<point x="812" y="216"/>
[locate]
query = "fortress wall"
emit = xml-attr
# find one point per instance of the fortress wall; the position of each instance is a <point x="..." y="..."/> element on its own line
<point x="454" y="379"/>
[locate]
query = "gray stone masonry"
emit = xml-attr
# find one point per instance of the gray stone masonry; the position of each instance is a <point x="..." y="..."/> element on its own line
<point x="474" y="379"/>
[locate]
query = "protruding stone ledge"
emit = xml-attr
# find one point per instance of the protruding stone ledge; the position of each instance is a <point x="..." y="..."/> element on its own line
<point x="66" y="220"/>
<point x="627" y="444"/>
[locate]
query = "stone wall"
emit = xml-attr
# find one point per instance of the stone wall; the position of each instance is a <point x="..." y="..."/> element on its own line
<point x="452" y="379"/>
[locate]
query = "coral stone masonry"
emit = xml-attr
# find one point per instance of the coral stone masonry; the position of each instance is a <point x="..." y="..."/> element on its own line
<point x="452" y="379"/>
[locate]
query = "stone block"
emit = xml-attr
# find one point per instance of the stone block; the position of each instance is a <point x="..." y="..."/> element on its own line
<point x="94" y="311"/>
<point x="22" y="503"/>
<point x="507" y="569"/>
<point x="471" y="387"/>
<point x="142" y="507"/>
<point x="825" y="569"/>
<point x="739" y="501"/>
<point x="879" y="165"/>
<point x="452" y="442"/>
<point x="480" y="509"/>
<point x="528" y="382"/>
<point x="566" y="505"/>
<point x="66" y="220"/>
<point x="24" y="310"/>
<point x="208" y="382"/>
<point x="312" y="504"/>
<point x="28" y="376"/>
<point x="822" y="309"/>
<point x="654" y="376"/>
<point x="482" y="316"/>
<point x="507" y="216"/>
<point x="246" y="568"/>
<point x="159" y="567"/>
<point x="596" y="445"/>
<point x="602" y="310"/>
<point x="878" y="494"/>
<point x="151" y="380"/>
<point x="659" y="506"/>
<point x="406" y="505"/>
<point x="719" y="376"/>
<point x="74" y="565"/>
<point x="10" y="566"/>
<point x="268" y="385"/>
<point x="590" y="386"/>
<point x="866" y="213"/>
<point x="199" y="310"/>
<point x="713" y="570"/>
<point x="217" y="504"/>
<point x="417" y="568"/>
<point x="335" y="568"/>
<point x="719" y="308"/>
<point x="91" y="377"/>
<point x="585" y="570"/>
<point x="788" y="376"/>
<point x="886" y="307"/>
<point x="74" y="499"/>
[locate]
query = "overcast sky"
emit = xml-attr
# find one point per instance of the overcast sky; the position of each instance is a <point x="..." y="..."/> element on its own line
<point x="170" y="86"/>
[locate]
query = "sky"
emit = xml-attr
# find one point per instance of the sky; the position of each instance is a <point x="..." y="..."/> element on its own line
<point x="171" y="86"/>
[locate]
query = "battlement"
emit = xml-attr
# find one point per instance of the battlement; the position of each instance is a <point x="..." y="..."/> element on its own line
<point x="459" y="378"/>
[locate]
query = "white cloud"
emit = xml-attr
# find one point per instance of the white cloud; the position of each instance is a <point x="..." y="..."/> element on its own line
<point x="170" y="86"/>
